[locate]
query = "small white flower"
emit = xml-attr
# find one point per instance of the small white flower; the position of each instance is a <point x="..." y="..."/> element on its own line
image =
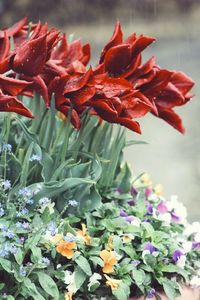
<point x="192" y="228"/>
<point x="181" y="261"/>
<point x="195" y="282"/>
<point x="35" y="157"/>
<point x="187" y="246"/>
<point x="70" y="282"/>
<point x="136" y="222"/>
<point x="165" y="218"/>
<point x="6" y="185"/>
<point x="94" y="279"/>
<point x="197" y="237"/>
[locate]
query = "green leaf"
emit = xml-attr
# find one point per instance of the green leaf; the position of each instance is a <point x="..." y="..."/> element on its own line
<point x="171" y="288"/>
<point x="6" y="265"/>
<point x="122" y="292"/>
<point x="84" y="265"/>
<point x="48" y="284"/>
<point x="97" y="261"/>
<point x="138" y="276"/>
<point x="79" y="277"/>
<point x="36" y="254"/>
<point x="19" y="256"/>
<point x="174" y="269"/>
<point x="149" y="229"/>
<point x="55" y="188"/>
<point x="30" y="288"/>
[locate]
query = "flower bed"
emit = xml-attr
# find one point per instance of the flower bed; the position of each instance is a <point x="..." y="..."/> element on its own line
<point x="74" y="222"/>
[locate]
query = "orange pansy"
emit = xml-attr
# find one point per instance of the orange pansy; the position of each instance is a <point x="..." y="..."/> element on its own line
<point x="110" y="260"/>
<point x="68" y="295"/>
<point x="84" y="234"/>
<point x="66" y="248"/>
<point x="113" y="283"/>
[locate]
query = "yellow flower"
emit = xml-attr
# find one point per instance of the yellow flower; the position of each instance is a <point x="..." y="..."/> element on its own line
<point x="56" y="238"/>
<point x="109" y="245"/>
<point x="68" y="296"/>
<point x="61" y="116"/>
<point x="109" y="259"/>
<point x="127" y="238"/>
<point x="84" y="234"/>
<point x="158" y="190"/>
<point x="49" y="239"/>
<point x="66" y="248"/>
<point x="145" y="179"/>
<point x="113" y="283"/>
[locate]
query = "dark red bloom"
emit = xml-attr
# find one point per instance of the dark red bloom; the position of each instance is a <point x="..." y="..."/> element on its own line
<point x="167" y="90"/>
<point x="120" y="58"/>
<point x="12" y="104"/>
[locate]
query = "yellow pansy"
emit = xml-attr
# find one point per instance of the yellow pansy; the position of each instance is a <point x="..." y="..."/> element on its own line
<point x="84" y="234"/>
<point x="109" y="245"/>
<point x="66" y="248"/>
<point x="110" y="260"/>
<point x="158" y="190"/>
<point x="68" y="296"/>
<point x="113" y="283"/>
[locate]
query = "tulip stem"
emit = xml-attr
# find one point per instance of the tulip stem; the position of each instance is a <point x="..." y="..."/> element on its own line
<point x="66" y="136"/>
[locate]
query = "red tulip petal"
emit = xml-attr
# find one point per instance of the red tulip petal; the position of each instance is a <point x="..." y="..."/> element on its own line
<point x="61" y="51"/>
<point x="130" y="124"/>
<point x="75" y="119"/>
<point x="103" y="108"/>
<point x="13" y="86"/>
<point x="78" y="67"/>
<point x="144" y="73"/>
<point x="141" y="43"/>
<point x="117" y="59"/>
<point x="115" y="86"/>
<point x="172" y="118"/>
<point x="15" y="28"/>
<point x="12" y="104"/>
<point x="40" y="87"/>
<point x="169" y="97"/>
<point x="159" y="82"/>
<point x="31" y="56"/>
<point x="182" y="82"/>
<point x="76" y="82"/>
<point x="115" y="40"/>
<point x="4" y="47"/>
<point x="82" y="96"/>
<point x="86" y="54"/>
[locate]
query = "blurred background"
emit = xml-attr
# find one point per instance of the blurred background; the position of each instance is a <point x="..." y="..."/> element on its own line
<point x="170" y="158"/>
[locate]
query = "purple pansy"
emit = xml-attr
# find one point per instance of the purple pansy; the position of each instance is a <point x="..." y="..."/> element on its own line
<point x="151" y="293"/>
<point x="162" y="208"/>
<point x="176" y="255"/>
<point x="123" y="214"/>
<point x="150" y="249"/>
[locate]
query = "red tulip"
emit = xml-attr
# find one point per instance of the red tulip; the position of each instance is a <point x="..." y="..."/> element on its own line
<point x="12" y="104"/>
<point x="120" y="58"/>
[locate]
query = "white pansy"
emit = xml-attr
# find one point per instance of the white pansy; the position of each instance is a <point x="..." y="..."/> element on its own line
<point x="136" y="222"/>
<point x="69" y="280"/>
<point x="197" y="237"/>
<point x="181" y="261"/>
<point x="94" y="280"/>
<point x="195" y="282"/>
<point x="192" y="228"/>
<point x="177" y="208"/>
<point x="187" y="246"/>
<point x="165" y="218"/>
